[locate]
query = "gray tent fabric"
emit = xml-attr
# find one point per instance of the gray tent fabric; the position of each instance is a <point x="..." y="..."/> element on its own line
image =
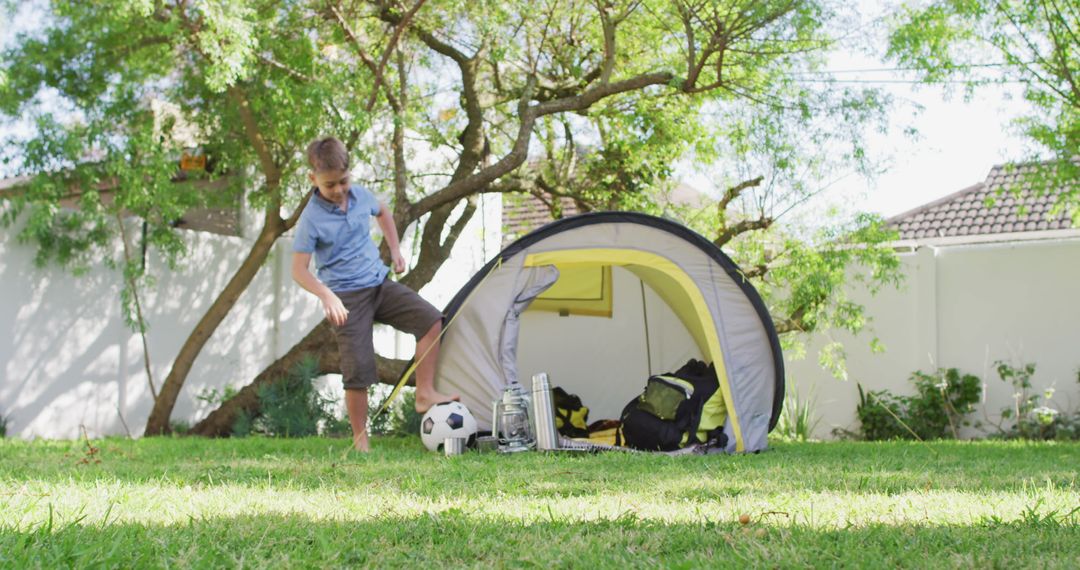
<point x="494" y="332"/>
<point x="537" y="281"/>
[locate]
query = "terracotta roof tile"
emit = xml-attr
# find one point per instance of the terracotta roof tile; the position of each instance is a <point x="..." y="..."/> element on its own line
<point x="967" y="212"/>
<point x="523" y="213"/>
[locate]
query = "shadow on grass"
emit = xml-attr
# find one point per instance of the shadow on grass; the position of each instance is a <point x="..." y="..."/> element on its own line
<point x="404" y="466"/>
<point x="453" y="537"/>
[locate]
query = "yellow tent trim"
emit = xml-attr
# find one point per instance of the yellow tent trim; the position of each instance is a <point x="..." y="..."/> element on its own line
<point x="660" y="263"/>
<point x="580" y="290"/>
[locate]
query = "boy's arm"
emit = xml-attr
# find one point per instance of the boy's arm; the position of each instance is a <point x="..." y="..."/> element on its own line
<point x="335" y="310"/>
<point x="389" y="230"/>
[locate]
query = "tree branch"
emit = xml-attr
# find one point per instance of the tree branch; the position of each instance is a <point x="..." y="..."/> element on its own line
<point x="254" y="134"/>
<point x="742" y="227"/>
<point x="269" y="167"/>
<point x="390" y="48"/>
<point x="375" y="68"/>
<point x="472" y="138"/>
<point x="734" y="192"/>
<point x="608" y="27"/>
<point x="516" y="157"/>
<point x="278" y="65"/>
<point x="434" y="254"/>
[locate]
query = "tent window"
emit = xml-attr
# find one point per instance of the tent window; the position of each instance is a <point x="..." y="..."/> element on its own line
<point x="580" y="290"/>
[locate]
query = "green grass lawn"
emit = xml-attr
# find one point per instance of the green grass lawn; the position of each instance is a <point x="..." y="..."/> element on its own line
<point x="262" y="503"/>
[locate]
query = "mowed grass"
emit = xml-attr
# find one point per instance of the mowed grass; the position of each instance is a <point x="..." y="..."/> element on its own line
<point x="183" y="503"/>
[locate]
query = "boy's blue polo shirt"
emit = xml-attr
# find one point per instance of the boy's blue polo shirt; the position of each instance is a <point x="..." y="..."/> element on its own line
<point x="346" y="257"/>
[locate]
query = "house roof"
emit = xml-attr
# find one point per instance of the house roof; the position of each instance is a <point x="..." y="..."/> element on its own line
<point x="523" y="213"/>
<point x="221" y="219"/>
<point x="1002" y="204"/>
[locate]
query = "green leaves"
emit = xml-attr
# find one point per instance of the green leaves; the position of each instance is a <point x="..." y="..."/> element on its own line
<point x="1034" y="43"/>
<point x="938" y="410"/>
<point x="226" y="38"/>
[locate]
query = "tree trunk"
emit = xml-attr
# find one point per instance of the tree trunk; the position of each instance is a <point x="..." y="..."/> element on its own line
<point x="320" y="343"/>
<point x="158" y="423"/>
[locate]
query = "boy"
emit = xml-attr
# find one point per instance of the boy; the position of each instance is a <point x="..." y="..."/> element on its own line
<point x="352" y="282"/>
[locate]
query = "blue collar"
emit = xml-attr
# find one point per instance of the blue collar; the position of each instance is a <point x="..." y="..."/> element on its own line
<point x="327" y="204"/>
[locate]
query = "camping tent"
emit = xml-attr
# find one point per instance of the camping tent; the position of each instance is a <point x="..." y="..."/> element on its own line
<point x="602" y="301"/>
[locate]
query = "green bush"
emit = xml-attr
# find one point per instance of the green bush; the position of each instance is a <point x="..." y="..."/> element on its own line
<point x="880" y="414"/>
<point x="179" y="427"/>
<point x="290" y="406"/>
<point x="3" y="425"/>
<point x="1031" y="414"/>
<point x="401" y="419"/>
<point x="937" y="411"/>
<point x="797" y="420"/>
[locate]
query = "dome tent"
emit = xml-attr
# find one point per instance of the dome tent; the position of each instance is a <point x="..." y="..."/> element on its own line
<point x="602" y="301"/>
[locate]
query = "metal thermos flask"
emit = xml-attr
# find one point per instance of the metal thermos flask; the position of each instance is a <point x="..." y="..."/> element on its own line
<point x="547" y="439"/>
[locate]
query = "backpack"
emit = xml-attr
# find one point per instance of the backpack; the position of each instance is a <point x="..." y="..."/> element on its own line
<point x="667" y="413"/>
<point x="571" y="416"/>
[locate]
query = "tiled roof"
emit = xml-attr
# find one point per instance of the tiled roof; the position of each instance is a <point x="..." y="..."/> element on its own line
<point x="987" y="208"/>
<point x="523" y="213"/>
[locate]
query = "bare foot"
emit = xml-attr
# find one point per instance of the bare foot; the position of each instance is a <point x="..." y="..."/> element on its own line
<point x="360" y="443"/>
<point x="428" y="398"/>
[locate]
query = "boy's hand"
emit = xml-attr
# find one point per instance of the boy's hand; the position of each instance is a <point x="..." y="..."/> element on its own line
<point x="335" y="310"/>
<point x="397" y="261"/>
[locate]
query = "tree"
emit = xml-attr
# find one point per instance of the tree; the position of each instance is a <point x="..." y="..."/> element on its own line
<point x="987" y="42"/>
<point x="589" y="100"/>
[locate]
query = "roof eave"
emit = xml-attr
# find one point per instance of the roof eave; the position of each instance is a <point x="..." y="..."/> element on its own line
<point x="975" y="239"/>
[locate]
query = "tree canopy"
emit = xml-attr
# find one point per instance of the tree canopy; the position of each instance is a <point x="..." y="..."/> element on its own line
<point x="1032" y="42"/>
<point x="593" y="101"/>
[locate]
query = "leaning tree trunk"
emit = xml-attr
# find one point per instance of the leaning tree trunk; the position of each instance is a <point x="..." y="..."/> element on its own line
<point x="158" y="423"/>
<point x="319" y="343"/>
<point x="273" y="228"/>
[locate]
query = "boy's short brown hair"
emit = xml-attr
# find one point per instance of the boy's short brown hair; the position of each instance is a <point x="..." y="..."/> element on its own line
<point x="328" y="154"/>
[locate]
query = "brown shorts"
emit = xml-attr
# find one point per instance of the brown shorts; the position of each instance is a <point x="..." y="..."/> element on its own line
<point x="389" y="303"/>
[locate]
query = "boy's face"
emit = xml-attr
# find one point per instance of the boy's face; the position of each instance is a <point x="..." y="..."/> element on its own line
<point x="332" y="184"/>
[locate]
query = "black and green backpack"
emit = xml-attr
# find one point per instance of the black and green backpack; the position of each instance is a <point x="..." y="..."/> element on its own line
<point x="571" y="416"/>
<point x="667" y="413"/>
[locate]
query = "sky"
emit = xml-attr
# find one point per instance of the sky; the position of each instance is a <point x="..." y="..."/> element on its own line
<point x="957" y="144"/>
<point x="958" y="140"/>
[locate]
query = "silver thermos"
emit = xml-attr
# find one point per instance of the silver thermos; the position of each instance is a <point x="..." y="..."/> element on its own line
<point x="547" y="439"/>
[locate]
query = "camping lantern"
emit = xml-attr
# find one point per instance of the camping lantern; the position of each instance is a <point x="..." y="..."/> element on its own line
<point x="510" y="419"/>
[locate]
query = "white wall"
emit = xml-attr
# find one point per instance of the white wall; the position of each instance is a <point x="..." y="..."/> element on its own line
<point x="68" y="360"/>
<point x="962" y="306"/>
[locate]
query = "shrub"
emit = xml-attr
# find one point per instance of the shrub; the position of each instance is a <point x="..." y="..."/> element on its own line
<point x="879" y="416"/>
<point x="179" y="427"/>
<point x="401" y="419"/>
<point x="3" y="425"/>
<point x="289" y="406"/>
<point x="937" y="411"/>
<point x="1031" y="414"/>
<point x="213" y="398"/>
<point x="797" y="420"/>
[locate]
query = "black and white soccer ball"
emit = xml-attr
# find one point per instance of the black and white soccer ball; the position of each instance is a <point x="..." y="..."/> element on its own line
<point x="448" y="419"/>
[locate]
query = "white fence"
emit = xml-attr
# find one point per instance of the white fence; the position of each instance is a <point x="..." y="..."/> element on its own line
<point x="962" y="306"/>
<point x="68" y="360"/>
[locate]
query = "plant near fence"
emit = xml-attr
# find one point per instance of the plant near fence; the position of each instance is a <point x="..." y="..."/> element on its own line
<point x="938" y="410"/>
<point x="1031" y="413"/>
<point x="401" y="419"/>
<point x="292" y="407"/>
<point x="797" y="421"/>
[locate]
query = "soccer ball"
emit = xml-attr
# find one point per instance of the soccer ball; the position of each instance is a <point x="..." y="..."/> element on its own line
<point x="448" y="419"/>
